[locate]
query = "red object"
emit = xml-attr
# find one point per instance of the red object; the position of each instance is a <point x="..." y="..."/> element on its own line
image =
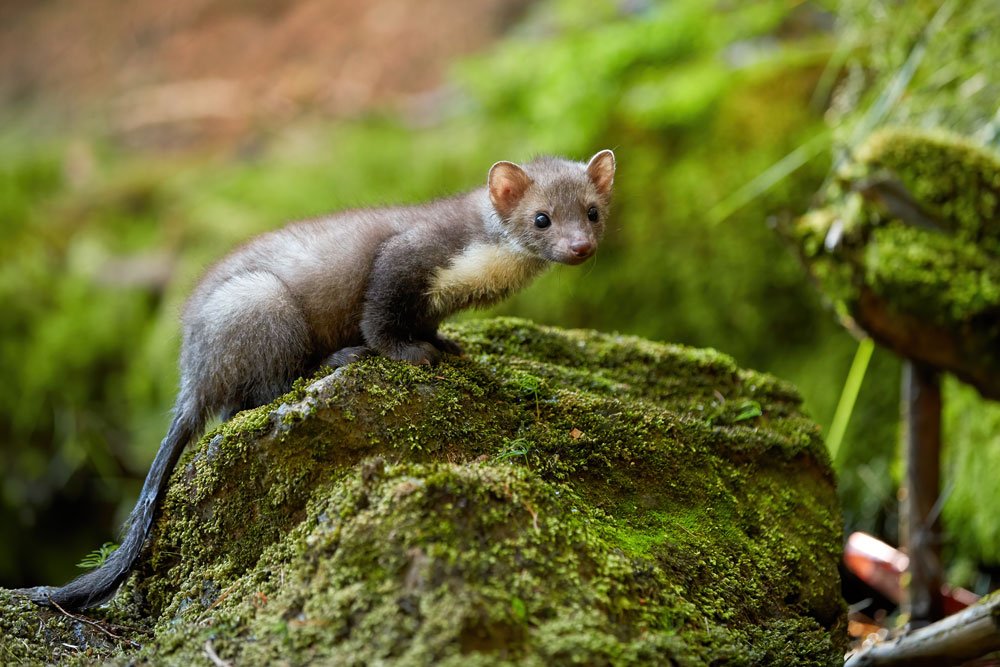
<point x="882" y="566"/>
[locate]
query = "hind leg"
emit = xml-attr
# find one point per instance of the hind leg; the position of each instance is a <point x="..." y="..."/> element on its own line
<point x="245" y="342"/>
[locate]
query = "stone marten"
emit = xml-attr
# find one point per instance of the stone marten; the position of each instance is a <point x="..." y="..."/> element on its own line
<point x="368" y="281"/>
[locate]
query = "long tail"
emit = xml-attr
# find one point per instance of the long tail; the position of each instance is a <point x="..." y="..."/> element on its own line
<point x="100" y="585"/>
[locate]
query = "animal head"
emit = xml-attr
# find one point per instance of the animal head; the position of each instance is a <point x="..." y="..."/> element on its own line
<point x="553" y="207"/>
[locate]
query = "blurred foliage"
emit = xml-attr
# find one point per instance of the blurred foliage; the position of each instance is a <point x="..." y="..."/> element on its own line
<point x="972" y="457"/>
<point x="934" y="59"/>
<point x="698" y="99"/>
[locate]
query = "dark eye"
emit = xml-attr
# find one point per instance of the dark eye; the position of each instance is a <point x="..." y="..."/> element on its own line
<point x="542" y="221"/>
<point x="592" y="214"/>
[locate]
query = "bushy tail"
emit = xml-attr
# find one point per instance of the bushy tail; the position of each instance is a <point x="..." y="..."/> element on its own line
<point x="100" y="585"/>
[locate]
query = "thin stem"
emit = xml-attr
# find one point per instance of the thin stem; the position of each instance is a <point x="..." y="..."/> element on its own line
<point x="849" y="396"/>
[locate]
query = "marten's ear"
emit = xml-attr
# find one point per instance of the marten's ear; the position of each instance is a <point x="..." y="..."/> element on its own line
<point x="601" y="170"/>
<point x="508" y="183"/>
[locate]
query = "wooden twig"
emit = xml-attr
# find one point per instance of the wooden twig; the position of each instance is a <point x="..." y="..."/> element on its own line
<point x="969" y="634"/>
<point x="921" y="529"/>
<point x="95" y="624"/>
<point x="887" y="192"/>
<point x="213" y="656"/>
<point x="222" y="596"/>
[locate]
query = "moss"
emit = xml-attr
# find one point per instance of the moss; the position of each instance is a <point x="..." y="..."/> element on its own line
<point x="933" y="276"/>
<point x="954" y="183"/>
<point x="915" y="262"/>
<point x="32" y="635"/>
<point x="954" y="179"/>
<point x="554" y="497"/>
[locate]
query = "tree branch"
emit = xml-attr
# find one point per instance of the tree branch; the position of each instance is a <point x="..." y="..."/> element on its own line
<point x="968" y="634"/>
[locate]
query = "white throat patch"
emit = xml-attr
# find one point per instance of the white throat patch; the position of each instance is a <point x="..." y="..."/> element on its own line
<point x="483" y="274"/>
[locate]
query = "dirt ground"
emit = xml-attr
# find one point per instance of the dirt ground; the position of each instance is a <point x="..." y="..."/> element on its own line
<point x="228" y="65"/>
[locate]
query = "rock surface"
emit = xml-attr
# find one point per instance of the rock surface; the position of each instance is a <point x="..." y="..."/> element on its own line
<point x="555" y="497"/>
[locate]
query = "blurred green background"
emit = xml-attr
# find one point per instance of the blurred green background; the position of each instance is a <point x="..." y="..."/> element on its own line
<point x="138" y="145"/>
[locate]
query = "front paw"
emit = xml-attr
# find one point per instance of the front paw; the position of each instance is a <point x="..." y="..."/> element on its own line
<point x="348" y="355"/>
<point x="420" y="353"/>
<point x="447" y="345"/>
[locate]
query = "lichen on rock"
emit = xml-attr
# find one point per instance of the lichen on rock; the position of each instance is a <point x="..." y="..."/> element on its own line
<point x="554" y="497"/>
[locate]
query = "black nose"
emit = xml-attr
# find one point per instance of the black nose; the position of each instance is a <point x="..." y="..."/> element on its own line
<point x="581" y="248"/>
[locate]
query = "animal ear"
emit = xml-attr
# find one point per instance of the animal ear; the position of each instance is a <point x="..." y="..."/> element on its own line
<point x="507" y="183"/>
<point x="601" y="170"/>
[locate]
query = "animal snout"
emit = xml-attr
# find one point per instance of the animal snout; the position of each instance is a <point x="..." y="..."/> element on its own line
<point x="581" y="247"/>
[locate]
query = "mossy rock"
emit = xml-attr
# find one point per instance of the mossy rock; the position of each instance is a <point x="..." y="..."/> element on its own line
<point x="554" y="497"/>
<point x="907" y="245"/>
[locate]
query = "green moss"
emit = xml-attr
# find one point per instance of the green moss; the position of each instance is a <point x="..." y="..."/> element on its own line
<point x="955" y="184"/>
<point x="917" y="266"/>
<point x="32" y="635"/>
<point x="554" y="497"/>
<point x="954" y="179"/>
<point x="934" y="276"/>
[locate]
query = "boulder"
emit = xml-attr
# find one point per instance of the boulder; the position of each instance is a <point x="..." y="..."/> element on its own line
<point x="553" y="497"/>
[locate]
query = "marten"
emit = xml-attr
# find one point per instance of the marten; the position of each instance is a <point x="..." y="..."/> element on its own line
<point x="335" y="289"/>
